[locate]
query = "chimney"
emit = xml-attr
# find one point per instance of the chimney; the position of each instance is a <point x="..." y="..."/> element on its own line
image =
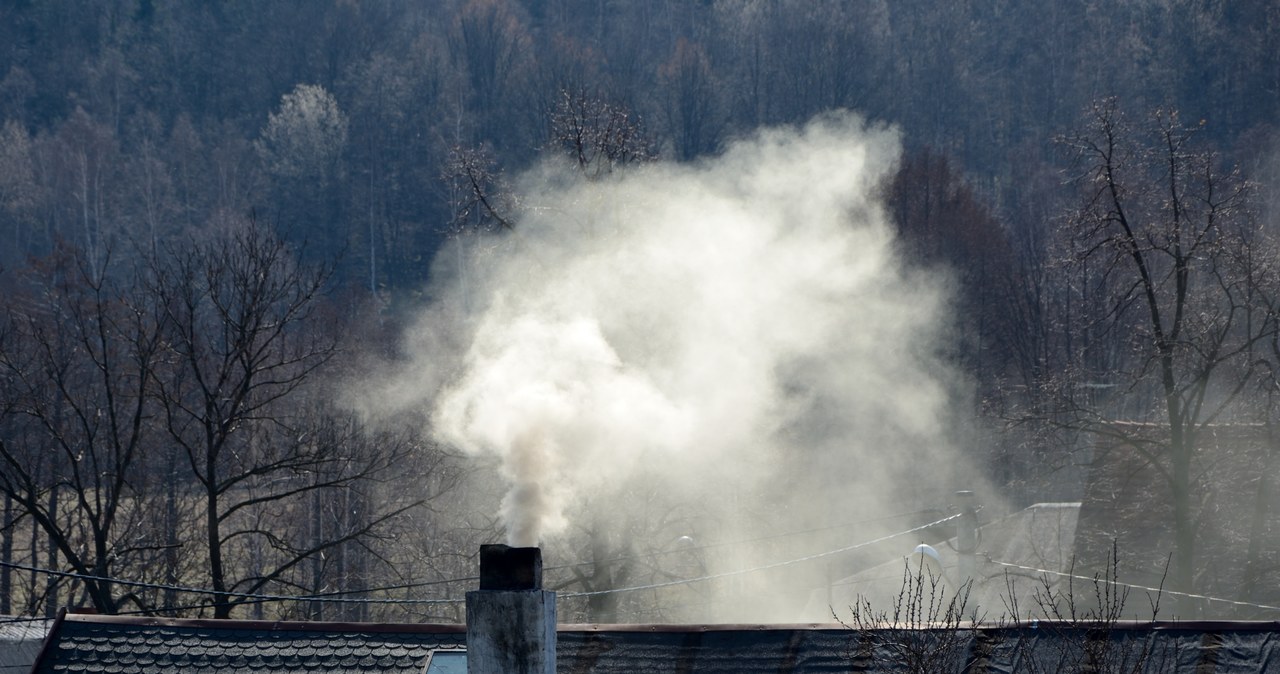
<point x="511" y="620"/>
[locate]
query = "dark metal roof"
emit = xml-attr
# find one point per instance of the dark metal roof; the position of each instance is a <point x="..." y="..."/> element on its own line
<point x="105" y="644"/>
<point x="20" y="640"/>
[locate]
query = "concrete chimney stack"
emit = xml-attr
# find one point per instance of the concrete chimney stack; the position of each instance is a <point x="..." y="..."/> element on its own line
<point x="511" y="620"/>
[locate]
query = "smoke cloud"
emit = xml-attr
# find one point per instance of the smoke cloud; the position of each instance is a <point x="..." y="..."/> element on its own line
<point x="737" y="335"/>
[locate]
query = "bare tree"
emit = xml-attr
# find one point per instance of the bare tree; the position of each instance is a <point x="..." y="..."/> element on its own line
<point x="479" y="199"/>
<point x="1261" y="555"/>
<point x="595" y="134"/>
<point x="490" y="40"/>
<point x="324" y="529"/>
<point x="77" y="409"/>
<point x="690" y="105"/>
<point x="599" y="135"/>
<point x="928" y="629"/>
<point x="1163" y="246"/>
<point x="242" y="346"/>
<point x="18" y="193"/>
<point x="1081" y="621"/>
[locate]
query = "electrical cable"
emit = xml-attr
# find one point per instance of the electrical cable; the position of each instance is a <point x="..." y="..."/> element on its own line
<point x="330" y="598"/>
<point x="229" y="594"/>
<point x="9" y="620"/>
<point x="1136" y="587"/>
<point x="775" y="565"/>
<point x="722" y="544"/>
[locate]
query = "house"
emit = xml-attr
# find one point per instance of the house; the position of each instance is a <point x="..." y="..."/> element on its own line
<point x="1122" y="531"/>
<point x="511" y="629"/>
<point x="1016" y="559"/>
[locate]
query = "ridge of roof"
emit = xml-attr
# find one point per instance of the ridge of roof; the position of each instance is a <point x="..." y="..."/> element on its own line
<point x="267" y="625"/>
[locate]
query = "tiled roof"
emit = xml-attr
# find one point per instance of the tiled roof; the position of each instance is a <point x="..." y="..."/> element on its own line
<point x="124" y="645"/>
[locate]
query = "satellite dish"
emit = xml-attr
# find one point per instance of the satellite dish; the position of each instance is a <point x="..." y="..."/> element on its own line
<point x="926" y="562"/>
<point x="929" y="550"/>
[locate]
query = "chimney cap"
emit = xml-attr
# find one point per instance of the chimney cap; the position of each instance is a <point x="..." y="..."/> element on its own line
<point x="503" y="567"/>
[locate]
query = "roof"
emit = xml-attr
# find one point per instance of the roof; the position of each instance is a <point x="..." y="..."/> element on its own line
<point x="123" y="645"/>
<point x="93" y="643"/>
<point x="20" y="640"/>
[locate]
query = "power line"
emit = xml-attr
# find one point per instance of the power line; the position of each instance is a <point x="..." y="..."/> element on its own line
<point x="1157" y="590"/>
<point x="744" y="541"/>
<point x="331" y="598"/>
<point x="9" y="620"/>
<point x="229" y="594"/>
<point x="402" y="586"/>
<point x="765" y="567"/>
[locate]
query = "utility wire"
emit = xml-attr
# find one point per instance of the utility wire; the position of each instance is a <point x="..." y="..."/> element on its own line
<point x="9" y="620"/>
<point x="775" y="565"/>
<point x="744" y="541"/>
<point x="229" y="594"/>
<point x="1157" y="590"/>
<point x="402" y="586"/>
<point x="329" y="597"/>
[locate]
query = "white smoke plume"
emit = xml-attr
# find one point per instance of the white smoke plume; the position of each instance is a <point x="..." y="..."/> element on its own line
<point x="738" y="330"/>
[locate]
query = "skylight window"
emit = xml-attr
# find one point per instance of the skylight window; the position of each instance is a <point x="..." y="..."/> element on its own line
<point x="442" y="661"/>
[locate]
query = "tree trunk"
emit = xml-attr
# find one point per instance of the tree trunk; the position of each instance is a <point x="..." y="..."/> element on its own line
<point x="217" y="575"/>
<point x="6" y="556"/>
<point x="33" y="593"/>
<point x="1184" y="541"/>
<point x="171" y="575"/>
<point x="1258" y="522"/>
<point x="51" y="581"/>
<point x="316" y="611"/>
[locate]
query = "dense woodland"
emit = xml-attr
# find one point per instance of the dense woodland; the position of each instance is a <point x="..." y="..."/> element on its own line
<point x="210" y="210"/>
